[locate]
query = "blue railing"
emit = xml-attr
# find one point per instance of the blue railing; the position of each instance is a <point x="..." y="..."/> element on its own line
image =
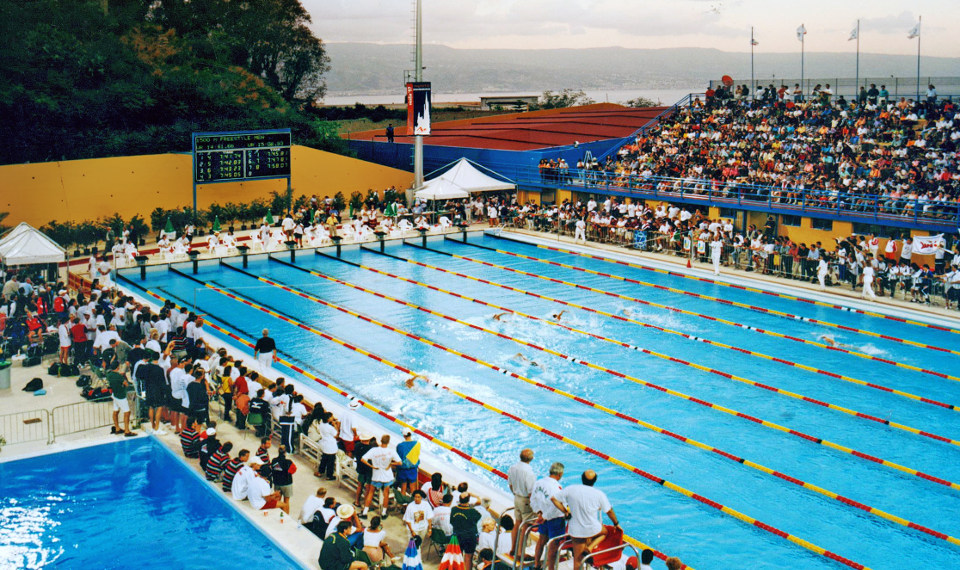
<point x="864" y="208"/>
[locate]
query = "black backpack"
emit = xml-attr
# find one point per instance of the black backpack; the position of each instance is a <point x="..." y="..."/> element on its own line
<point x="83" y="381"/>
<point x="33" y="385"/>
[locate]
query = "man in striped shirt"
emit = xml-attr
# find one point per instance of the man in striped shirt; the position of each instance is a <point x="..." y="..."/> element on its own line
<point x="230" y="470"/>
<point x="218" y="461"/>
<point x="190" y="439"/>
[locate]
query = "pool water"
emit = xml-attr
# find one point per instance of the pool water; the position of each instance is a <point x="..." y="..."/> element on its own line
<point x="129" y="504"/>
<point x="669" y="521"/>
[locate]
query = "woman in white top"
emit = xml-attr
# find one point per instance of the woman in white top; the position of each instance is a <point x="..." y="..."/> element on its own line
<point x="375" y="541"/>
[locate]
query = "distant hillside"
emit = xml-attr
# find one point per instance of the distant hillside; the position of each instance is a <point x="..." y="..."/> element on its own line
<point x="369" y="69"/>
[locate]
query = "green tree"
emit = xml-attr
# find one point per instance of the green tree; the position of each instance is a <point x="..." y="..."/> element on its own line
<point x="565" y="98"/>
<point x="640" y="102"/>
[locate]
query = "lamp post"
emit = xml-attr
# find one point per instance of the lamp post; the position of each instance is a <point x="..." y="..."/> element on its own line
<point x="292" y="246"/>
<point x="142" y="264"/>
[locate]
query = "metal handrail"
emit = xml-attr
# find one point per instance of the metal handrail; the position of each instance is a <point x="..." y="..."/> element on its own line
<point x="859" y="207"/>
<point x="525" y="528"/>
<point x="80" y="416"/>
<point x="589" y="555"/>
<point x="559" y="540"/>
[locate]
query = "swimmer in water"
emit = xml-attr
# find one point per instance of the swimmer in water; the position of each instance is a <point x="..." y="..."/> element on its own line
<point x="833" y="343"/>
<point x="409" y="383"/>
<point x="558" y="315"/>
<point x="521" y="358"/>
<point x="499" y="316"/>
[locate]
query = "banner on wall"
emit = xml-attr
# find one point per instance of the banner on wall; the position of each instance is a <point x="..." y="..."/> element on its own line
<point x="418" y="108"/>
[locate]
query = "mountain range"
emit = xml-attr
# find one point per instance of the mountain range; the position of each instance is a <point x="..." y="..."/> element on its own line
<point x="373" y="69"/>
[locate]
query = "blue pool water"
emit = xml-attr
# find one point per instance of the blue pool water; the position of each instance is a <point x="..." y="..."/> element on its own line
<point x="129" y="504"/>
<point x="671" y="522"/>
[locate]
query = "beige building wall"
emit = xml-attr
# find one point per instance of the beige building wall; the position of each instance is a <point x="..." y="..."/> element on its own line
<point x="78" y="190"/>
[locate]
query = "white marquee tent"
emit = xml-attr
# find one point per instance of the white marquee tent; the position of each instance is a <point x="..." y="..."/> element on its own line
<point x="459" y="181"/>
<point x="26" y="245"/>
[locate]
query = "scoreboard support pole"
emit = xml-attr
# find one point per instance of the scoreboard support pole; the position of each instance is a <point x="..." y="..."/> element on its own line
<point x="194" y="200"/>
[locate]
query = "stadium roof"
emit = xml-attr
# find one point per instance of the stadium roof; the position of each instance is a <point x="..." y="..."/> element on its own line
<point x="531" y="130"/>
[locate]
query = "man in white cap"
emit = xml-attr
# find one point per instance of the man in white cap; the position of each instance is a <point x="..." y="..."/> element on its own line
<point x="346" y="513"/>
<point x="348" y="427"/>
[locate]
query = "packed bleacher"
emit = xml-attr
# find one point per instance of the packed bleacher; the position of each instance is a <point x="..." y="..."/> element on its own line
<point x="896" y="158"/>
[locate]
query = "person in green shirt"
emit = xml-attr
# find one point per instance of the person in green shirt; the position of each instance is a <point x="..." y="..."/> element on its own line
<point x="118" y="387"/>
<point x="464" y="519"/>
<point x="336" y="552"/>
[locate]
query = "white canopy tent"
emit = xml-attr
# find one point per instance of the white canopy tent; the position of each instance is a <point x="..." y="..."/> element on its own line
<point x="26" y="245"/>
<point x="460" y="180"/>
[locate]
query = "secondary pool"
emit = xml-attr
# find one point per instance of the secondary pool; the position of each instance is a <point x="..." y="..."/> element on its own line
<point x="129" y="504"/>
<point x="817" y="451"/>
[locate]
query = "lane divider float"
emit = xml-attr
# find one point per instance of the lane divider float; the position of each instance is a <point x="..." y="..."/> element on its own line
<point x="341" y="392"/>
<point x="611" y="459"/>
<point x="649" y="304"/>
<point x="726" y="284"/>
<point x="579" y="399"/>
<point x="618" y="342"/>
<point x="696" y="295"/>
<point x="764" y="423"/>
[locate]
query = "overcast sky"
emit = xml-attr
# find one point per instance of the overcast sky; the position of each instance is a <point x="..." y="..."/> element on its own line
<point x="721" y="24"/>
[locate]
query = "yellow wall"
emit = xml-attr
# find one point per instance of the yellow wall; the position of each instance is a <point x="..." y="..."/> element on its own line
<point x="524" y="196"/>
<point x="77" y="190"/>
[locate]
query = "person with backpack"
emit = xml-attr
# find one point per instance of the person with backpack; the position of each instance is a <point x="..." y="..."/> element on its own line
<point x="282" y="470"/>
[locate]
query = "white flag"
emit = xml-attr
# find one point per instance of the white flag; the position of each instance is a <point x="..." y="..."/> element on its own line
<point x="854" y="34"/>
<point x="914" y="32"/>
<point x="801" y="31"/>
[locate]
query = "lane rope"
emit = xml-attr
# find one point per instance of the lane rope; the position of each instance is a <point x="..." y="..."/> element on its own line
<point x="382" y="413"/>
<point x="675" y="310"/>
<point x="621" y="343"/>
<point x="731" y="285"/>
<point x="729" y="411"/>
<point x="722" y="301"/>
<point x="579" y="399"/>
<point x="611" y="459"/>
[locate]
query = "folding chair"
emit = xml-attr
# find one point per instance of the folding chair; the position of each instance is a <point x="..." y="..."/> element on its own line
<point x="439" y="541"/>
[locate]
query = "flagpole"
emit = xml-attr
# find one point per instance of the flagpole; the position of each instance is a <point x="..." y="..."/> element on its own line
<point x="919" y="22"/>
<point x="856" y="88"/>
<point x="753" y="85"/>
<point x="803" y="38"/>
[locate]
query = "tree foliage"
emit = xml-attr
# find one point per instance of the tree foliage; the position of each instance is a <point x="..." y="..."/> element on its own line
<point x="565" y="98"/>
<point x="641" y="102"/>
<point x="80" y="83"/>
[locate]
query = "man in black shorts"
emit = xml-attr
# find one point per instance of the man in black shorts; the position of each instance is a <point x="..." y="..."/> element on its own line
<point x="464" y="519"/>
<point x="155" y="387"/>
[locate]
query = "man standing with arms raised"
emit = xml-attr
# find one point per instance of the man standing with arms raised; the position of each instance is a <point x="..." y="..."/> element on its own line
<point x="585" y="506"/>
<point x="521" y="479"/>
<point x="265" y="351"/>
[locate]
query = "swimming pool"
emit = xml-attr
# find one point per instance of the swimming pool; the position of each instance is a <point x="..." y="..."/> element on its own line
<point x="772" y="430"/>
<point x="129" y="504"/>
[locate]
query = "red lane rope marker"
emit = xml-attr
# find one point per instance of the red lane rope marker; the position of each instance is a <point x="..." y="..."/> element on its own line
<point x="764" y="423"/>
<point x="579" y="399"/>
<point x="439" y="442"/>
<point x="732" y="285"/>
<point x="621" y="343"/>
<point x="606" y="457"/>
<point x="651" y="304"/>
<point x="702" y="296"/>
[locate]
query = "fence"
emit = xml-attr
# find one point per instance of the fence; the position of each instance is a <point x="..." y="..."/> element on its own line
<point x="947" y="87"/>
<point x="48" y="425"/>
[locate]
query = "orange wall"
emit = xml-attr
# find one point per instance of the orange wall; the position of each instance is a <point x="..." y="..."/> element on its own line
<point x="77" y="190"/>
